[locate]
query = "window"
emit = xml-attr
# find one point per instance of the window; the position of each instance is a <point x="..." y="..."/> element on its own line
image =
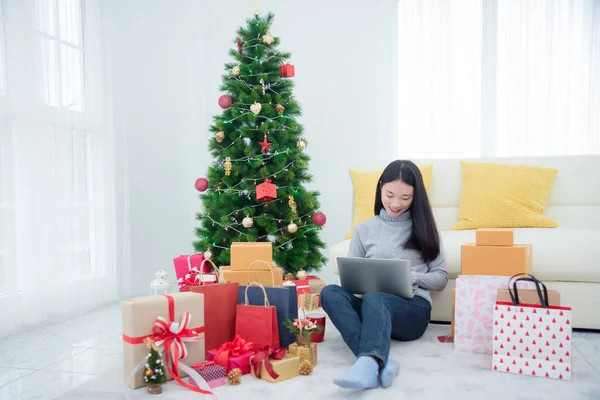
<point x="498" y="78"/>
<point x="8" y="271"/>
<point x="60" y="29"/>
<point x="3" y="90"/>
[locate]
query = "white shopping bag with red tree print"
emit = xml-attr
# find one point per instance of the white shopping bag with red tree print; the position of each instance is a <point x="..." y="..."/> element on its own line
<point x="532" y="339"/>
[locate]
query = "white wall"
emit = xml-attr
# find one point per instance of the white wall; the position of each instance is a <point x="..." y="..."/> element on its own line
<point x="167" y="58"/>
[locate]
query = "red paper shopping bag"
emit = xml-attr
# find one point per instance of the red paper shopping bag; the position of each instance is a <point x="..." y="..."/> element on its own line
<point x="532" y="339"/>
<point x="220" y="302"/>
<point x="258" y="323"/>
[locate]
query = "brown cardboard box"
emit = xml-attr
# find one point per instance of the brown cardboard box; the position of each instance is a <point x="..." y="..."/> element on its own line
<point x="244" y="254"/>
<point x="495" y="260"/>
<point x="316" y="285"/>
<point x="453" y="307"/>
<point x="305" y="352"/>
<point x="494" y="237"/>
<point x="286" y="368"/>
<point x="530" y="296"/>
<point x="139" y="315"/>
<point x="271" y="278"/>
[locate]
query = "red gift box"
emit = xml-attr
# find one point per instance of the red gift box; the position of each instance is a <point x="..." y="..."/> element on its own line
<point x="234" y="354"/>
<point x="287" y="70"/>
<point x="186" y="264"/>
<point x="302" y="287"/>
<point x="266" y="191"/>
<point x="212" y="373"/>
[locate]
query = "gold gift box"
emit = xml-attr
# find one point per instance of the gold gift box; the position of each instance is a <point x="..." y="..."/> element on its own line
<point x="305" y="352"/>
<point x="139" y="315"/>
<point x="245" y="254"/>
<point x="268" y="278"/>
<point x="309" y="302"/>
<point x="286" y="368"/>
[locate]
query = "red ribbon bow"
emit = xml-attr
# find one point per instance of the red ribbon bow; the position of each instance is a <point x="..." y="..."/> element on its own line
<point x="263" y="356"/>
<point x="200" y="366"/>
<point x="235" y="348"/>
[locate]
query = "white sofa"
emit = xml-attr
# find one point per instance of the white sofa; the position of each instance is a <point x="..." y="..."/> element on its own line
<point x="566" y="258"/>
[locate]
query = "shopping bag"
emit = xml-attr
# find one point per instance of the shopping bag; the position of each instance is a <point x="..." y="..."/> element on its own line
<point x="257" y="323"/>
<point x="474" y="308"/>
<point x="220" y="303"/>
<point x="283" y="298"/>
<point x="532" y="339"/>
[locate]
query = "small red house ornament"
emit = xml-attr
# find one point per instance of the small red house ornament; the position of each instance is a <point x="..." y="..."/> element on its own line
<point x="266" y="191"/>
<point x="287" y="69"/>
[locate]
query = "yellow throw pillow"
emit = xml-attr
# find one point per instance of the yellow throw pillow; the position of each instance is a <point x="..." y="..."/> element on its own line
<point x="365" y="183"/>
<point x="504" y="196"/>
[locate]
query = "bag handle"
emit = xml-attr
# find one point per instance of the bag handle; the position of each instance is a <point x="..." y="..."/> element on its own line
<point x="257" y="284"/>
<point x="514" y="294"/>
<point x="214" y="268"/>
<point x="255" y="263"/>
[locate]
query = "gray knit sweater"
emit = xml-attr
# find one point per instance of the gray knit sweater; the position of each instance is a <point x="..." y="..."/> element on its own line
<point x="384" y="236"/>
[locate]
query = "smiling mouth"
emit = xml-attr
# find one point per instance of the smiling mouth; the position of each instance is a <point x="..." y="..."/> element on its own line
<point x="395" y="210"/>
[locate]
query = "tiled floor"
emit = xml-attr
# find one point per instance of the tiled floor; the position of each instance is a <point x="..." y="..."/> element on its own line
<point x="81" y="359"/>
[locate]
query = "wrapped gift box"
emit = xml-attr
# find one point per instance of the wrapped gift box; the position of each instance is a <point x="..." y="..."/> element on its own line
<point x="453" y="311"/>
<point x="186" y="263"/>
<point x="270" y="278"/>
<point x="474" y="308"/>
<point x="495" y="260"/>
<point x="494" y="237"/>
<point x="241" y="361"/>
<point x="139" y="318"/>
<point x="315" y="284"/>
<point x="212" y="373"/>
<point x="244" y="254"/>
<point x="283" y="369"/>
<point x="309" y="302"/>
<point x="305" y="352"/>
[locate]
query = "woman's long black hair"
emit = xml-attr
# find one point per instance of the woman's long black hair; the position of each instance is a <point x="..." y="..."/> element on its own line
<point x="424" y="236"/>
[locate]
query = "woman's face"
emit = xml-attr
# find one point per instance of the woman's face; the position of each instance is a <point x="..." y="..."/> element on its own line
<point x="396" y="197"/>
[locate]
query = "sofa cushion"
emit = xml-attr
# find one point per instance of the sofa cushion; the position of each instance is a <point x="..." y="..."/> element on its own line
<point x="498" y="195"/>
<point x="364" y="184"/>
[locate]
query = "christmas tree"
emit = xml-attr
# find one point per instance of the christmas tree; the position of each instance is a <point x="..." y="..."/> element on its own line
<point x="254" y="189"/>
<point x="154" y="370"/>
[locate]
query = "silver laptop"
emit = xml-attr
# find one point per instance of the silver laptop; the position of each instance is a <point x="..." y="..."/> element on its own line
<point x="362" y="275"/>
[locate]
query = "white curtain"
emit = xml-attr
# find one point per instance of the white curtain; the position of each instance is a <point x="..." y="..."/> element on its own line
<point x="56" y="195"/>
<point x="498" y="78"/>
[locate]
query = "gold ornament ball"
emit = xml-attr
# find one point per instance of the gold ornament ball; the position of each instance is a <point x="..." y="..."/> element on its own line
<point x="247" y="222"/>
<point x="268" y="38"/>
<point x="235" y="71"/>
<point x="279" y="109"/>
<point x="301" y="275"/>
<point x="220" y="136"/>
<point x="292" y="228"/>
<point x="305" y="367"/>
<point x="301" y="144"/>
<point x="208" y="254"/>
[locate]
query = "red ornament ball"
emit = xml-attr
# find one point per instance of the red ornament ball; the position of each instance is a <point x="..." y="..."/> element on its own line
<point x="201" y="184"/>
<point x="319" y="219"/>
<point x="225" y="101"/>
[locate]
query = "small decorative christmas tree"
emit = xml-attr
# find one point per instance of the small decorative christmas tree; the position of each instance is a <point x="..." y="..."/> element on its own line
<point x="154" y="369"/>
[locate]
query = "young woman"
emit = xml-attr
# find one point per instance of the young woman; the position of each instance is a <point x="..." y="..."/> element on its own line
<point x="402" y="228"/>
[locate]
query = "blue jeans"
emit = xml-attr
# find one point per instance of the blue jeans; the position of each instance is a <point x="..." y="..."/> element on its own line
<point x="367" y="325"/>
